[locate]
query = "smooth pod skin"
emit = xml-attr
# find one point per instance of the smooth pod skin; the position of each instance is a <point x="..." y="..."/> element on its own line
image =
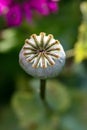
<point x="50" y="61"/>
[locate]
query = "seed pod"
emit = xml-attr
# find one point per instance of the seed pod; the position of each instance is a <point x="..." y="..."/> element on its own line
<point x="42" y="56"/>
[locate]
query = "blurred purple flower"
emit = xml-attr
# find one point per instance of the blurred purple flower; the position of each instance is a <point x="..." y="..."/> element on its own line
<point x="15" y="11"/>
<point x="44" y="7"/>
<point x="27" y="11"/>
<point x="40" y="6"/>
<point x="52" y="6"/>
<point x="14" y="15"/>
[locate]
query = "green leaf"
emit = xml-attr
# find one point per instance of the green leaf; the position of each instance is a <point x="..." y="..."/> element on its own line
<point x="50" y="123"/>
<point x="57" y="96"/>
<point x="28" y="107"/>
<point x="69" y="122"/>
<point x="80" y="106"/>
<point x="8" y="119"/>
<point x="8" y="40"/>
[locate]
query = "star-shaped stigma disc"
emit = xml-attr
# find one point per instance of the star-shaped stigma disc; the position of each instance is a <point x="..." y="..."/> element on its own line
<point x="41" y="50"/>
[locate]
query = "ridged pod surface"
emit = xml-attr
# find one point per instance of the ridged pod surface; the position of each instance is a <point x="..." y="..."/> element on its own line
<point x="42" y="56"/>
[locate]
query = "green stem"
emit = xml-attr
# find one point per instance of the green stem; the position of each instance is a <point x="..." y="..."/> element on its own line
<point x="70" y="53"/>
<point x="42" y="89"/>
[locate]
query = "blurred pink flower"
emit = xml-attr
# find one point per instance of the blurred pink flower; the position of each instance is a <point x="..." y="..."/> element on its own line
<point x="15" y="11"/>
<point x="44" y="7"/>
<point x="4" y="6"/>
<point x="14" y="15"/>
<point x="52" y="6"/>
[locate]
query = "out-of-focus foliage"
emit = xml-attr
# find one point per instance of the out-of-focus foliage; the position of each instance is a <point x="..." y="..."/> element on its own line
<point x="81" y="44"/>
<point x="66" y="96"/>
<point x="29" y="108"/>
<point x="57" y="96"/>
<point x="9" y="40"/>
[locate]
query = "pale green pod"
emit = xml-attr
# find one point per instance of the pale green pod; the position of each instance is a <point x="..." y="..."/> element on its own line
<point x="42" y="56"/>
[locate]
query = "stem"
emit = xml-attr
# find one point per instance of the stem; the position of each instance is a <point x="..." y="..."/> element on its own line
<point x="70" y="53"/>
<point x="42" y="89"/>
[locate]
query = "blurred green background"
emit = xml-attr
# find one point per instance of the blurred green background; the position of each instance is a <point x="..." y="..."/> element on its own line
<point x="20" y="105"/>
